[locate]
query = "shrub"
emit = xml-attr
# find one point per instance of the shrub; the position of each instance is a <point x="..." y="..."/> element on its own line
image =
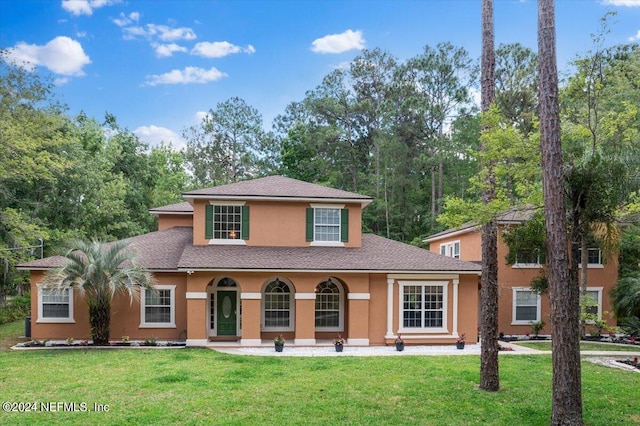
<point x="17" y="308"/>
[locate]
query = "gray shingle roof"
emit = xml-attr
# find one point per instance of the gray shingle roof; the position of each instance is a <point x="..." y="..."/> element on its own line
<point x="178" y="208"/>
<point x="156" y="250"/>
<point x="172" y="249"/>
<point x="376" y="254"/>
<point x="278" y="187"/>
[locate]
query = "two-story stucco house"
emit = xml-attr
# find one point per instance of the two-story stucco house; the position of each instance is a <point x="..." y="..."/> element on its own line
<point x="518" y="305"/>
<point x="247" y="261"/>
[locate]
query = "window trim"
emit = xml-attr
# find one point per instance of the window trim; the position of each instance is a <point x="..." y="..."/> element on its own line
<point x="341" y="295"/>
<point x="593" y="265"/>
<point x="599" y="290"/>
<point x="228" y="241"/>
<point x="515" y="321"/>
<point x="522" y="265"/>
<point x="445" y="307"/>
<point x="172" y="323"/>
<point x="322" y="243"/>
<point x="450" y="246"/>
<point x="292" y="306"/>
<point x="41" y="318"/>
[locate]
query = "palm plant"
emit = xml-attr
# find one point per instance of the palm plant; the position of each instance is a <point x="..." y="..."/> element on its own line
<point x="100" y="270"/>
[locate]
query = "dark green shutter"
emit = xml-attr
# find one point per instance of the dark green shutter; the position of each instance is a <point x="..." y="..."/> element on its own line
<point x="208" y="221"/>
<point x="309" y="224"/>
<point x="245" y="223"/>
<point x="344" y="225"/>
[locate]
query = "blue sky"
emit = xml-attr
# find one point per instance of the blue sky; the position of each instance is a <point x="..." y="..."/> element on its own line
<point x="159" y="65"/>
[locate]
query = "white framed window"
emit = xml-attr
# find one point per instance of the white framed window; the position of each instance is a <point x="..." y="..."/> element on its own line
<point x="55" y="305"/>
<point x="423" y="306"/>
<point x="277" y="306"/>
<point x="158" y="307"/>
<point x="526" y="306"/>
<point x="451" y="249"/>
<point x="528" y="259"/>
<point x="227" y="223"/>
<point x="329" y="306"/>
<point x="594" y="305"/>
<point x="327" y="225"/>
<point x="594" y="258"/>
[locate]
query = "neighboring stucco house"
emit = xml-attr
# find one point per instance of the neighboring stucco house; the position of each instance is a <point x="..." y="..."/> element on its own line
<point x="247" y="261"/>
<point x="518" y="304"/>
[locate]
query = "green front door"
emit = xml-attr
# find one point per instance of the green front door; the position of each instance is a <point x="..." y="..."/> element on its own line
<point x="226" y="308"/>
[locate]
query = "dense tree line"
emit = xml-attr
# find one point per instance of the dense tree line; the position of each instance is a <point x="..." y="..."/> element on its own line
<point x="406" y="133"/>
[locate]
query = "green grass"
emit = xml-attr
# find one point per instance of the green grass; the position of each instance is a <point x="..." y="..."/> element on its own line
<point x="584" y="346"/>
<point x="201" y="386"/>
<point x="9" y="334"/>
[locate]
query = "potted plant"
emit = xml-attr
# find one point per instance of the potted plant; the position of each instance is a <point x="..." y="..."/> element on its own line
<point x="338" y="342"/>
<point x="460" y="342"/>
<point x="279" y="343"/>
<point x="399" y="343"/>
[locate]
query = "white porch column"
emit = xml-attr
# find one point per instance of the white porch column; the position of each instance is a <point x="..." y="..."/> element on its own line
<point x="390" y="334"/>
<point x="454" y="331"/>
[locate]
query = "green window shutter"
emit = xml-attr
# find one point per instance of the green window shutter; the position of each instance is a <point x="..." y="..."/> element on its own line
<point x="208" y="221"/>
<point x="344" y="225"/>
<point x="245" y="223"/>
<point x="309" y="224"/>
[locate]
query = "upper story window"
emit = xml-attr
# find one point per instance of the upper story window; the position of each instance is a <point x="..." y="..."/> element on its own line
<point x="55" y="305"/>
<point x="451" y="249"/>
<point x="594" y="257"/>
<point x="327" y="225"/>
<point x="227" y="223"/>
<point x="531" y="258"/>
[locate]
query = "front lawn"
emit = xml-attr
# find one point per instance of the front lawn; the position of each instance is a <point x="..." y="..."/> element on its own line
<point x="201" y="386"/>
<point x="545" y="345"/>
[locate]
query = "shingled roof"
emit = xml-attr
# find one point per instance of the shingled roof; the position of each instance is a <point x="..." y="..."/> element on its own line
<point x="159" y="250"/>
<point x="276" y="187"/>
<point x="178" y="208"/>
<point x="172" y="250"/>
<point x="512" y="217"/>
<point x="377" y="254"/>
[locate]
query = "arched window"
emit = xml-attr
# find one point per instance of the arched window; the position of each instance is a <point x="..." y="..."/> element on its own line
<point x="329" y="303"/>
<point x="277" y="306"/>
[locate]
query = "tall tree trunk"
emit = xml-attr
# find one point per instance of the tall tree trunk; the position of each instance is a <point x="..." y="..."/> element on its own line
<point x="440" y="180"/>
<point x="489" y="372"/>
<point x="433" y="195"/>
<point x="566" y="406"/>
<point x="584" y="249"/>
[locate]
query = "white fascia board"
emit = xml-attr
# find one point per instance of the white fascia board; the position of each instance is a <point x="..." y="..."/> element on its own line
<point x="451" y="234"/>
<point x="364" y="202"/>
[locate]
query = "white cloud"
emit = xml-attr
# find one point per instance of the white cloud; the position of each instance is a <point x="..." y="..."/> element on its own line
<point x="160" y="32"/>
<point x="628" y="3"/>
<point x="166" y="50"/>
<point x="190" y="75"/>
<point x="60" y="81"/>
<point x="62" y="55"/>
<point x="125" y="20"/>
<point x="218" y="49"/>
<point x="200" y="115"/>
<point x="338" y="43"/>
<point x="635" y="37"/>
<point x="85" y="7"/>
<point x="81" y="34"/>
<point x="154" y="135"/>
